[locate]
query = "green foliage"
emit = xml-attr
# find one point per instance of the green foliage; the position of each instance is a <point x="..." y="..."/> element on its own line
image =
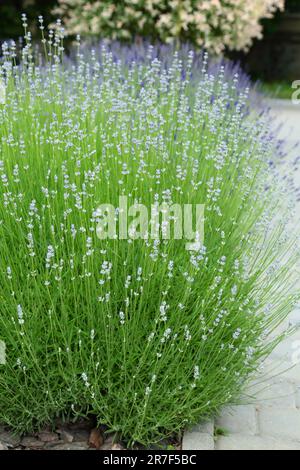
<point x="142" y="333"/>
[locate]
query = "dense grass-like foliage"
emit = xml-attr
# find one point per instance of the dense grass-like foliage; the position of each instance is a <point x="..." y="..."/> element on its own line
<point x="144" y="334"/>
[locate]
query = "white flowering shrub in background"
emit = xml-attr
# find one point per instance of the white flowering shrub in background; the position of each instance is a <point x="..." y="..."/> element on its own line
<point x="215" y="24"/>
<point x="2" y="92"/>
<point x="142" y="334"/>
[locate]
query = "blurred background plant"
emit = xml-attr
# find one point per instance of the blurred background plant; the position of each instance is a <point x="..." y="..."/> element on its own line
<point x="217" y="24"/>
<point x="293" y="6"/>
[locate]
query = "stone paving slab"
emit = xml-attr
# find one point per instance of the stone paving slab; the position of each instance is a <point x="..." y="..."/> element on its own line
<point x="199" y="437"/>
<point x="286" y="114"/>
<point x="198" y="441"/>
<point x="204" y="428"/>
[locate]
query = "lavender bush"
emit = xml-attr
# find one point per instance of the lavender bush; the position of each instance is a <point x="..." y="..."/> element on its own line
<point x="143" y="334"/>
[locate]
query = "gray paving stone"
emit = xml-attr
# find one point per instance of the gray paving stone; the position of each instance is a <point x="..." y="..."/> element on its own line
<point x="197" y="441"/>
<point x="276" y="424"/>
<point x="238" y="419"/>
<point x="204" y="428"/>
<point x="3" y="446"/>
<point x="70" y="446"/>
<point x="243" y="442"/>
<point x="283" y="369"/>
<point x="32" y="442"/>
<point x="288" y="114"/>
<point x="292" y="372"/>
<point x="8" y="438"/>
<point x="280" y="394"/>
<point x="297" y="393"/>
<point x="294" y="318"/>
<point x="279" y="422"/>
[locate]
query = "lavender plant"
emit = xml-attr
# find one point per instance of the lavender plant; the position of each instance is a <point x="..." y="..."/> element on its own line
<point x="141" y="333"/>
